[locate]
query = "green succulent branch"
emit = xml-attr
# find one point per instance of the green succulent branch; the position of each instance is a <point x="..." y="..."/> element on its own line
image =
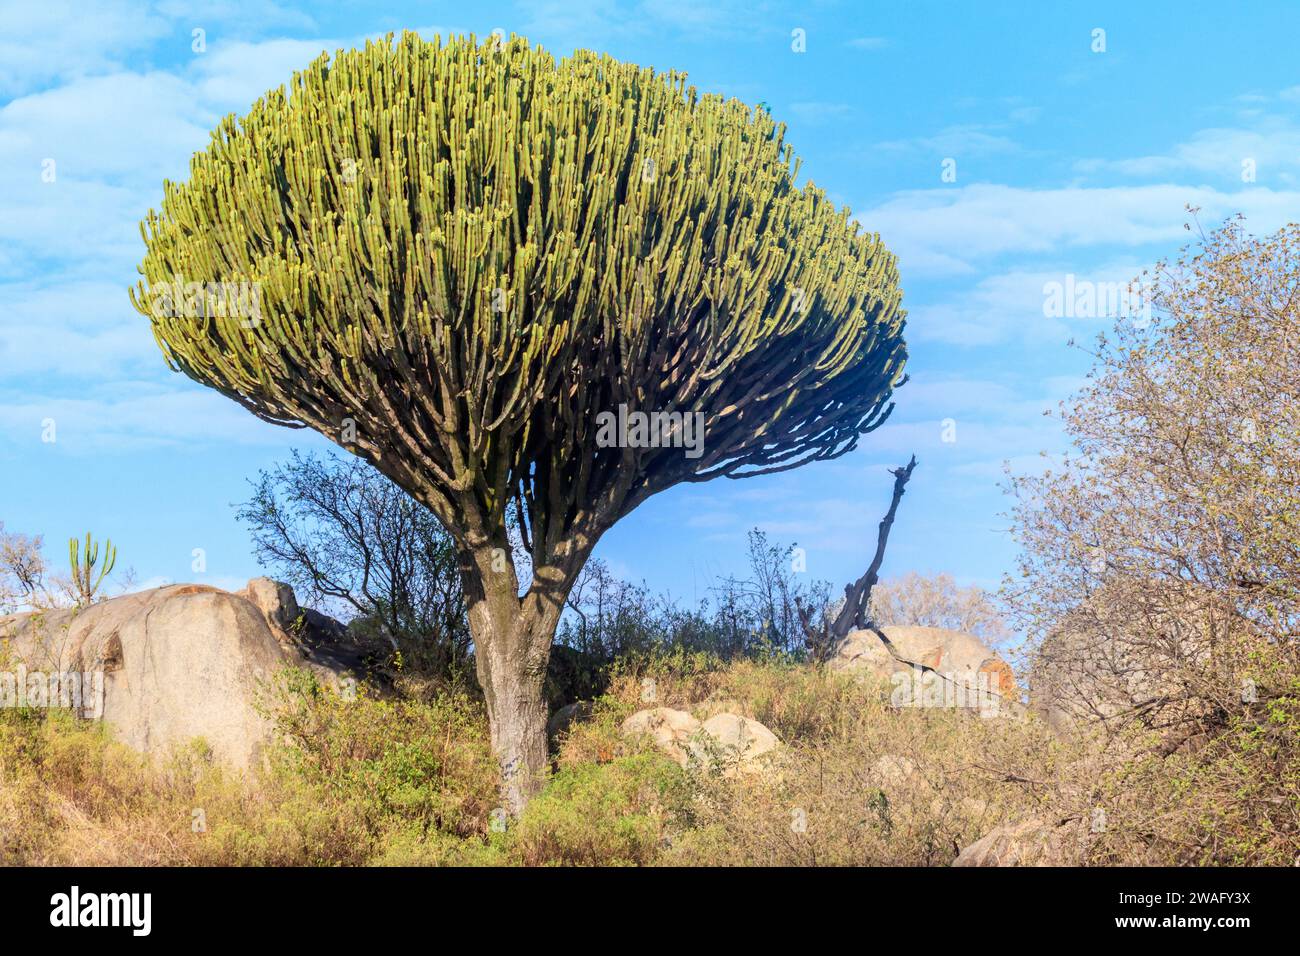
<point x="649" y="244"/>
<point x="83" y="561"/>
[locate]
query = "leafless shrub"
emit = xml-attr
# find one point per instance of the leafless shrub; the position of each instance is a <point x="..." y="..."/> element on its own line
<point x="1161" y="564"/>
<point x="937" y="601"/>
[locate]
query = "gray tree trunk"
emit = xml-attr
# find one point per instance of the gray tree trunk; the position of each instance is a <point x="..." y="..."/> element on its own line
<point x="512" y="645"/>
<point x="511" y="658"/>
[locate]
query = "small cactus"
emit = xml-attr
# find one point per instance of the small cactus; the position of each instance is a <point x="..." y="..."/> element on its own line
<point x="84" y="579"/>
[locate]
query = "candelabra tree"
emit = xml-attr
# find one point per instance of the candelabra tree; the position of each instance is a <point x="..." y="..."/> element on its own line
<point x="453" y="257"/>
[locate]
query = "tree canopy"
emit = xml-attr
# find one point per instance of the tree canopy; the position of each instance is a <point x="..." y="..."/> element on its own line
<point x="472" y="250"/>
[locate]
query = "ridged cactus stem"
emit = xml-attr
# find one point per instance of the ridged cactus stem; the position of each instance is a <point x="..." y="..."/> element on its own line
<point x="83" y="563"/>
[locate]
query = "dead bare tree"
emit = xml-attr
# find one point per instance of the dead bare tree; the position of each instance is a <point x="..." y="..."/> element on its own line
<point x="824" y="637"/>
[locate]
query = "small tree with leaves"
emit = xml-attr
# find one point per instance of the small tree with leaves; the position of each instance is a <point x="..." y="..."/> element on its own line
<point x="1159" y="577"/>
<point x="341" y="533"/>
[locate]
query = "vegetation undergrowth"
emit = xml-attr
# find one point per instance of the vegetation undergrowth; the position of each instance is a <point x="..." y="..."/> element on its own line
<point x="407" y="778"/>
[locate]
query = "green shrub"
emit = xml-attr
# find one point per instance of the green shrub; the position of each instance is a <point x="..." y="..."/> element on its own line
<point x="355" y="781"/>
<point x="392" y="761"/>
<point x="613" y="814"/>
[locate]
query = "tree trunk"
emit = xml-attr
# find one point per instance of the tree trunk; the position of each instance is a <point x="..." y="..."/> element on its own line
<point x="512" y="645"/>
<point x="511" y="672"/>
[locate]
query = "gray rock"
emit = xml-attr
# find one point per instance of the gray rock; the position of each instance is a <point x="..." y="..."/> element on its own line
<point x="670" y="729"/>
<point x="892" y="770"/>
<point x="744" y="739"/>
<point x="176" y="662"/>
<point x="962" y="659"/>
<point x="565" y="717"/>
<point x="275" y="600"/>
<point x="1031" y="842"/>
<point x="739" y="743"/>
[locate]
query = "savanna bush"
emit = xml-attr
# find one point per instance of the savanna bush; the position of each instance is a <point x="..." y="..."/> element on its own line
<point x="609" y="814"/>
<point x="1158" y="569"/>
<point x="350" y="776"/>
<point x="395" y="760"/>
<point x="408" y="779"/>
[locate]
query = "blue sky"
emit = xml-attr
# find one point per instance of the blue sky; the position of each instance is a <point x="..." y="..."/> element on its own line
<point x="1068" y="161"/>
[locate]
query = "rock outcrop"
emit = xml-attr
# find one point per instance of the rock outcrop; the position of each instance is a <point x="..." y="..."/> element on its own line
<point x="958" y="659"/>
<point x="1098" y="666"/>
<point x="182" y="661"/>
<point x="1031" y="842"/>
<point x="747" y="739"/>
<point x="739" y="744"/>
<point x="567" y="716"/>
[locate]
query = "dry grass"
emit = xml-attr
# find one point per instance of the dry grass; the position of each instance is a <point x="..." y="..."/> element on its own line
<point x="410" y="781"/>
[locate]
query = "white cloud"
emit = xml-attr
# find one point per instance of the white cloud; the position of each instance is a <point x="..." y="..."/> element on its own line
<point x="1010" y="306"/>
<point x="1274" y="148"/>
<point x="984" y="439"/>
<point x="566" y="25"/>
<point x="1026" y="114"/>
<point x="937" y="397"/>
<point x="964" y="141"/>
<point x="234" y="75"/>
<point x="88" y="224"/>
<point x="127" y="419"/>
<point x="121" y="127"/>
<point x="719" y="18"/>
<point x="814" y="112"/>
<point x="955" y="231"/>
<point x="62" y="40"/>
<point x="113" y="139"/>
<point x="235" y="16"/>
<point x="1265" y="132"/>
<point x="74" y="328"/>
<point x="59" y="39"/>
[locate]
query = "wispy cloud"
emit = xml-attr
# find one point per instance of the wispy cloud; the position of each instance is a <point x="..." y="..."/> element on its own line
<point x="1269" y="152"/>
<point x="955" y="231"/>
<point x="62" y="39"/>
<point x="128" y="418"/>
<point x="817" y="112"/>
<point x="232" y="76"/>
<point x="957" y="141"/>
